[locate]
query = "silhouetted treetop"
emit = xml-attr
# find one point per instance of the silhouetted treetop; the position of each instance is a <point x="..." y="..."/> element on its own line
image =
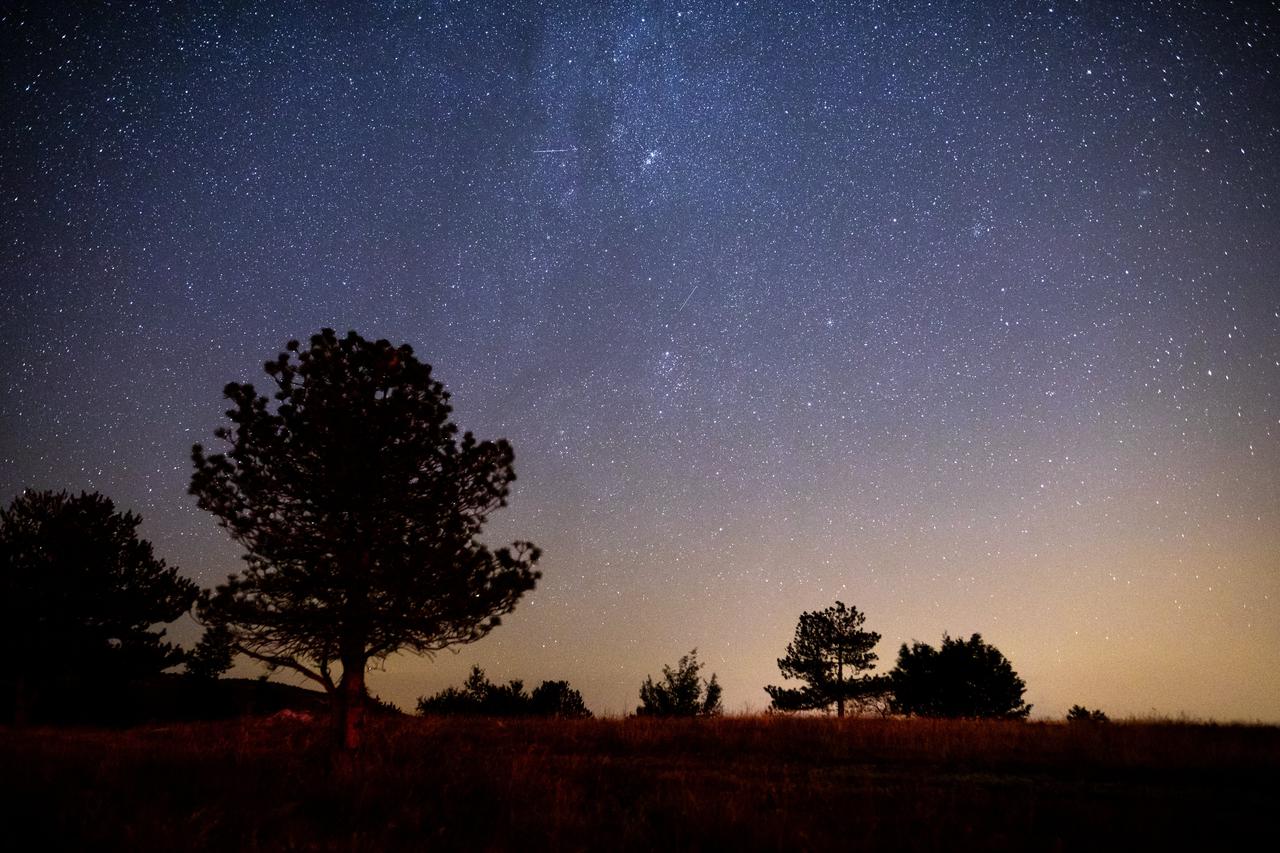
<point x="963" y="678"/>
<point x="1081" y="714"/>
<point x="213" y="654"/>
<point x="681" y="692"/>
<point x="830" y="649"/>
<point x="82" y="593"/>
<point x="480" y="697"/>
<point x="360" y="509"/>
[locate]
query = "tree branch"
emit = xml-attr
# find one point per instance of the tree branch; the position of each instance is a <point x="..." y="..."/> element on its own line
<point x="322" y="678"/>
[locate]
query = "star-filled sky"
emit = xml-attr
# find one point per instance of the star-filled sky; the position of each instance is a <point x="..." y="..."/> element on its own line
<point x="964" y="313"/>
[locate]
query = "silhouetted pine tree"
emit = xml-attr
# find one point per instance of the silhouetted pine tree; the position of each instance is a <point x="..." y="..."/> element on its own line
<point x="829" y="650"/>
<point x="360" y="510"/>
<point x="81" y="595"/>
<point x="213" y="654"/>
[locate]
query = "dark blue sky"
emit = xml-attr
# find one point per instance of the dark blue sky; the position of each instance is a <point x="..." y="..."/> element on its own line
<point x="965" y="313"/>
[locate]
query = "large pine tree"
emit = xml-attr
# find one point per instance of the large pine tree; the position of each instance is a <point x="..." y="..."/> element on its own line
<point x="360" y="511"/>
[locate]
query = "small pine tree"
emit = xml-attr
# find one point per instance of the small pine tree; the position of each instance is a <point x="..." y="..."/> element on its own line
<point x="212" y="655"/>
<point x="830" y="649"/>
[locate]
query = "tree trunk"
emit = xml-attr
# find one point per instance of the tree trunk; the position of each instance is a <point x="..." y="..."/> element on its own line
<point x="350" y="705"/>
<point x="840" y="687"/>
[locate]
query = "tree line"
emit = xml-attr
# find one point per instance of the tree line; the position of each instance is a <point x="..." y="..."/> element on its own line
<point x="359" y="506"/>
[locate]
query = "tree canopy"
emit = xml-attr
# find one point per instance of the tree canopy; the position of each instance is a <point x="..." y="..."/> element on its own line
<point x="360" y="510"/>
<point x="480" y="697"/>
<point x="963" y="678"/>
<point x="82" y="594"/>
<point x="213" y="654"/>
<point x="829" y="650"/>
<point x="681" y="693"/>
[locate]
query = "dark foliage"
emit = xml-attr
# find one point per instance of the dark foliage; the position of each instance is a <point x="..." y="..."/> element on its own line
<point x="681" y="692"/>
<point x="829" y="650"/>
<point x="382" y="707"/>
<point x="558" y="699"/>
<point x="1081" y="714"/>
<point x="360" y="510"/>
<point x="480" y="697"/>
<point x="80" y="600"/>
<point x="169" y="698"/>
<point x="964" y="678"/>
<point x="213" y="654"/>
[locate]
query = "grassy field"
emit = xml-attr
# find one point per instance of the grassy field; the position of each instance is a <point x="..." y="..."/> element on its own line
<point x="731" y="783"/>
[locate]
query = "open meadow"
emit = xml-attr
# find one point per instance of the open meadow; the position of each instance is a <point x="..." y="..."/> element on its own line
<point x="737" y="783"/>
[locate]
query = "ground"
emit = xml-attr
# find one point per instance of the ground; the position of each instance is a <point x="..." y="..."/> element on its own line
<point x="766" y="783"/>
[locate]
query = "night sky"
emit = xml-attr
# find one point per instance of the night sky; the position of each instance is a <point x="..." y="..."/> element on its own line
<point x="964" y="313"/>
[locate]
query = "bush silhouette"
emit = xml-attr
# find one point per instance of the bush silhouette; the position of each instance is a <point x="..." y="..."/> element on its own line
<point x="1081" y="714"/>
<point x="681" y="692"/>
<point x="480" y="697"/>
<point x="963" y="678"/>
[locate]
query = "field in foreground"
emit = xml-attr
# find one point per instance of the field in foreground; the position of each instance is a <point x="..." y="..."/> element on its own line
<point x="731" y="783"/>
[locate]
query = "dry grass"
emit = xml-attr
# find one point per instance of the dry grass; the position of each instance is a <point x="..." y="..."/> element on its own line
<point x="732" y="783"/>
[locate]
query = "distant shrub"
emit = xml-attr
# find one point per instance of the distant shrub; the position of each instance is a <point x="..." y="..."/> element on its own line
<point x="480" y="697"/>
<point x="681" y="692"/>
<point x="557" y="699"/>
<point x="1081" y="714"/>
<point x="384" y="707"/>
